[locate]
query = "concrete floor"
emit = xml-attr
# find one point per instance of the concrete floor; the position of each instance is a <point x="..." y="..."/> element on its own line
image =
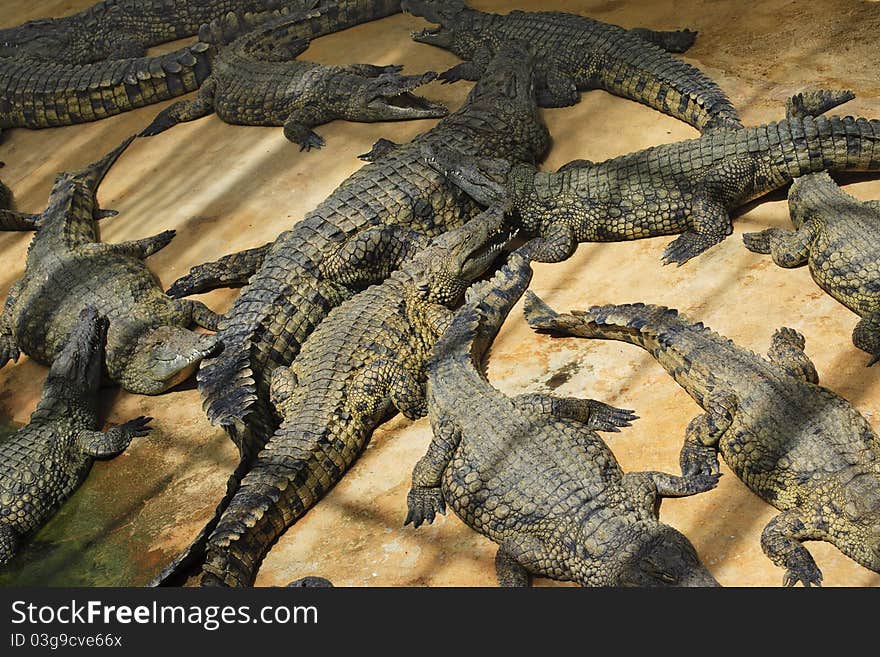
<point x="225" y="188"/>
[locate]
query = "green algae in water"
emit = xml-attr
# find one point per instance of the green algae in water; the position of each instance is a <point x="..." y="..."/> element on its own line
<point x="88" y="541"/>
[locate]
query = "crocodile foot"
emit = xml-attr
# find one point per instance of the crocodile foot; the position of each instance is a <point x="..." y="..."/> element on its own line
<point x="424" y="504"/>
<point x="805" y="571"/>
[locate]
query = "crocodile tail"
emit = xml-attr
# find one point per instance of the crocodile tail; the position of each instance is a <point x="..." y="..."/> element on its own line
<point x="36" y="94"/>
<point x="636" y="323"/>
<point x="188" y="564"/>
<point x="646" y="73"/>
<point x="296" y="468"/>
<point x="828" y="142"/>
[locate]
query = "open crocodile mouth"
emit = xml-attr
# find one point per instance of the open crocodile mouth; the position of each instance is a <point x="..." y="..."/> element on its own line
<point x="431" y="35"/>
<point x="479" y="261"/>
<point x="408" y="105"/>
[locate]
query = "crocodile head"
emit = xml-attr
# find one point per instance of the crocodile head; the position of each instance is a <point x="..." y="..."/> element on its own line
<point x="163" y="357"/>
<point x="664" y="557"/>
<point x="389" y="97"/>
<point x="447" y="14"/>
<point x="79" y="365"/>
<point x="484" y="179"/>
<point x="443" y="271"/>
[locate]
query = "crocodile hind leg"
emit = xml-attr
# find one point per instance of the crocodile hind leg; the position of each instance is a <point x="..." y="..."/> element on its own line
<point x="12" y="220"/>
<point x="184" y="110"/>
<point x="781" y="541"/>
<point x="233" y="270"/>
<point x="372" y="71"/>
<point x="721" y="187"/>
<point x="866" y="336"/>
<point x="521" y="555"/>
<point x="8" y="542"/>
<point x="699" y="454"/>
<point x="425" y="497"/>
<point x="107" y="444"/>
<point x="787" y="352"/>
<point x="370" y="256"/>
<point x="387" y="377"/>
<point x="556" y="88"/>
<point x="789" y="248"/>
<point x="596" y="415"/>
<point x="675" y="41"/>
<point x="142" y="248"/>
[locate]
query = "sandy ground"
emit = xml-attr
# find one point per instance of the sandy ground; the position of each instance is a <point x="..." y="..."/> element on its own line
<point x="225" y="188"/>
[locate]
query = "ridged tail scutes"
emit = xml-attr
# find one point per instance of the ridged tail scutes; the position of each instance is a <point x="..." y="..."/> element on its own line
<point x="282" y="484"/>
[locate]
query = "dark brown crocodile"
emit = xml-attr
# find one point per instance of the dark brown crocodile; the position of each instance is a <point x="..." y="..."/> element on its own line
<point x="836" y="235"/>
<point x="689" y="187"/>
<point x="258" y="80"/>
<point x="531" y="473"/>
<point x="119" y="29"/>
<point x="576" y="53"/>
<point x="797" y="445"/>
<point x="149" y="348"/>
<point x="291" y="290"/>
<point x="44" y="462"/>
<point x="362" y="364"/>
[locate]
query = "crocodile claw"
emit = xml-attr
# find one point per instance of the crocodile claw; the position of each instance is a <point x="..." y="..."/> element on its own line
<point x="310" y="141"/>
<point x="874" y="360"/>
<point x="806" y="573"/>
<point x="604" y="417"/>
<point x="424" y="504"/>
<point x="685" y="247"/>
<point x="703" y="483"/>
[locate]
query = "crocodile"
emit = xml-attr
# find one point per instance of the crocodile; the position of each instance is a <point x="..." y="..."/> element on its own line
<point x="149" y="348"/>
<point x="290" y="290"/>
<point x="41" y="94"/>
<point x="257" y="80"/>
<point x="835" y="234"/>
<point x="119" y="29"/>
<point x="797" y="445"/>
<point x="362" y="364"/>
<point x="532" y="474"/>
<point x="689" y="187"/>
<point x="44" y="462"/>
<point x="576" y="53"/>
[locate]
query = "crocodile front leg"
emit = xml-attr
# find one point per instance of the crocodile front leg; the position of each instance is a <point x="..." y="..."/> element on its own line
<point x="425" y="498"/>
<point x="386" y="377"/>
<point x="103" y="445"/>
<point x="787" y="353"/>
<point x="371" y="255"/>
<point x="789" y="248"/>
<point x="781" y="541"/>
<point x="675" y="41"/>
<point x="472" y="70"/>
<point x="596" y="415"/>
<point x="233" y="270"/>
<point x="184" y="110"/>
<point x="557" y="243"/>
<point x="298" y="129"/>
<point x="8" y="345"/>
<point x="699" y="455"/>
